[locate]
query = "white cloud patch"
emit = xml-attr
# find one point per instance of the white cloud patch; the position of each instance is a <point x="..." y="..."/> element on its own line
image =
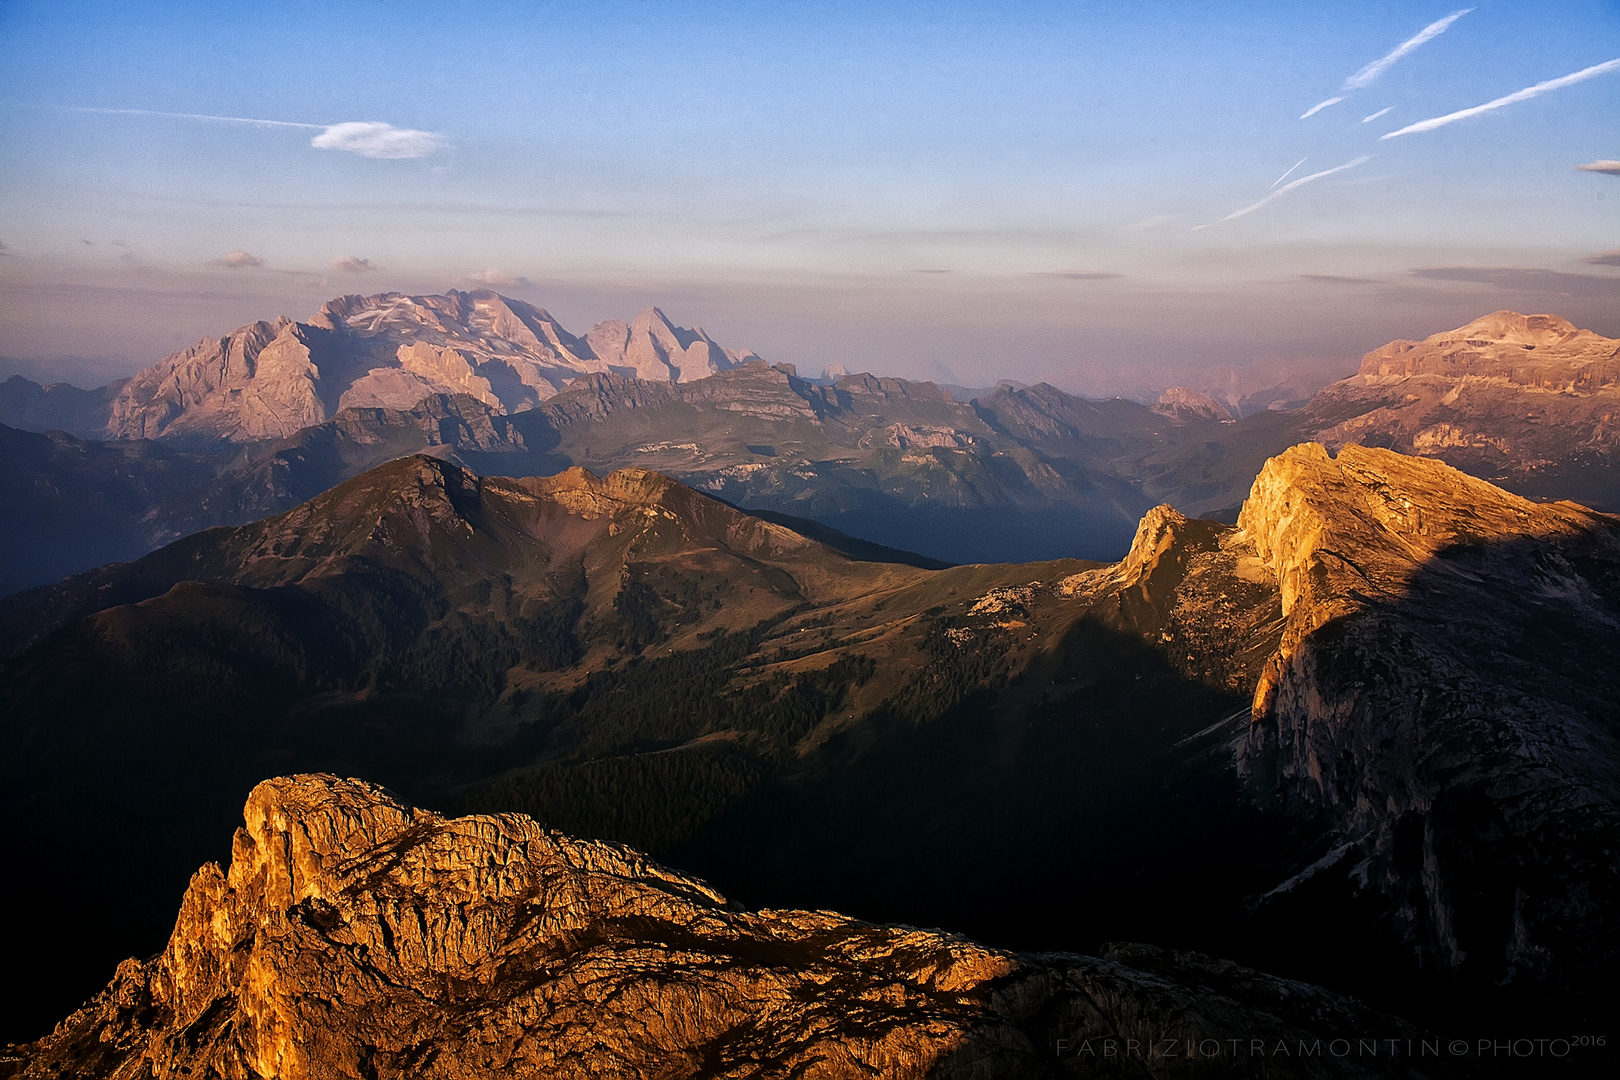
<point x="354" y="264"/>
<point x="1369" y="74"/>
<point x="374" y="139"/>
<point x="1521" y="95"/>
<point x="1601" y="166"/>
<point x="1285" y="189"/>
<point x="1385" y="111"/>
<point x="237" y="259"/>
<point x="497" y="279"/>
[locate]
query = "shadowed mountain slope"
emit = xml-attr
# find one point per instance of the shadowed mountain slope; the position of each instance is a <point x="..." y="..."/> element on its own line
<point x="1040" y="755"/>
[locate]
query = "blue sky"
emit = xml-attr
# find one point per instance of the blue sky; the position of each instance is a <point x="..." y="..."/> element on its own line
<point x="957" y="191"/>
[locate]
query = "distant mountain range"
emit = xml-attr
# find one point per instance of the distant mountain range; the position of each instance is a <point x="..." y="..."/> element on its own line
<point x="1382" y="704"/>
<point x="1016" y="473"/>
<point x="268" y="380"/>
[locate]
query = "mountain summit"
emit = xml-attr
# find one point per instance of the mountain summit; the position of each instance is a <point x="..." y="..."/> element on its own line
<point x="269" y="379"/>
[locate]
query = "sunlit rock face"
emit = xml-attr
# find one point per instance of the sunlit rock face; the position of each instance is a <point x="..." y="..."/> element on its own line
<point x="1528" y="401"/>
<point x="354" y="935"/>
<point x="1184" y="403"/>
<point x="1444" y="692"/>
<point x="391" y="351"/>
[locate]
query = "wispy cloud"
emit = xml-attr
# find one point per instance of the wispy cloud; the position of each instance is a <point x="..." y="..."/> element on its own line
<point x="1285" y="189"/>
<point x="368" y="138"/>
<point x="374" y="139"/>
<point x="237" y="259"/>
<point x="1601" y="166"/>
<point x="1369" y="74"/>
<point x="1149" y="222"/>
<point x="1339" y="279"/>
<point x="497" y="279"/>
<point x="354" y="264"/>
<point x="1522" y="95"/>
<point x="1607" y="258"/>
<point x="1528" y="279"/>
<point x="1385" y="111"/>
<point x="1291" y="168"/>
<point x="201" y="116"/>
<point x="1080" y="275"/>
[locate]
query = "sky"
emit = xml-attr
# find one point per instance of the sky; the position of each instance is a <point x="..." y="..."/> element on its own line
<point x="1111" y="198"/>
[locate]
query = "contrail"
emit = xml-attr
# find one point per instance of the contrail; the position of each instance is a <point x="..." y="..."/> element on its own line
<point x="1366" y="75"/>
<point x="1285" y="189"/>
<point x="1523" y="95"/>
<point x="202" y="116"/>
<point x="1291" y="168"/>
<point x="1376" y="115"/>
<point x="1314" y="109"/>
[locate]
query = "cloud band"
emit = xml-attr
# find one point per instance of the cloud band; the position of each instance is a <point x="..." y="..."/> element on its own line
<point x="1285" y="189"/>
<point x="1367" y="75"/>
<point x="1521" y="95"/>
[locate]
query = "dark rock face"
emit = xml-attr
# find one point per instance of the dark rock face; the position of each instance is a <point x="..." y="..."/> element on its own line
<point x="353" y="935"/>
<point x="1446" y="692"/>
<point x="27" y="405"/>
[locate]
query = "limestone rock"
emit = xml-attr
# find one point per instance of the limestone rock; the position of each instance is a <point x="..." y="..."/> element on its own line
<point x="390" y="351"/>
<point x="1444" y="691"/>
<point x="1183" y="404"/>
<point x="651" y="347"/>
<point x="355" y="936"/>
<point x="1526" y="400"/>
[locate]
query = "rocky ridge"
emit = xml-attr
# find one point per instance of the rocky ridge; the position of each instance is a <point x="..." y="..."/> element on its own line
<point x="269" y="379"/>
<point x="1444" y="692"/>
<point x="354" y="935"/>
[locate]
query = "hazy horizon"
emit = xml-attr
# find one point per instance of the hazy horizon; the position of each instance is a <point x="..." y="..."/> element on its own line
<point x="1109" y="201"/>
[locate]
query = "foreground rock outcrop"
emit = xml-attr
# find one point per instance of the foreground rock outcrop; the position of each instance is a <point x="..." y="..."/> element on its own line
<point x="356" y="936"/>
